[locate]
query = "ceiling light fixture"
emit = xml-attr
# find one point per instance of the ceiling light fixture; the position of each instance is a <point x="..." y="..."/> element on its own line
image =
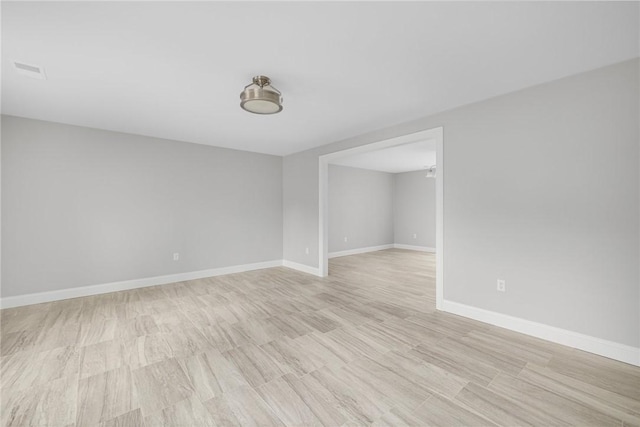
<point x="260" y="97"/>
<point x="431" y="172"/>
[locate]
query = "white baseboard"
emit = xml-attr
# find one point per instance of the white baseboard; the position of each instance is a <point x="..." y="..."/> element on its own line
<point x="414" y="248"/>
<point x="301" y="267"/>
<point x="104" y="288"/>
<point x="381" y="248"/>
<point x="360" y="250"/>
<point x="610" y="349"/>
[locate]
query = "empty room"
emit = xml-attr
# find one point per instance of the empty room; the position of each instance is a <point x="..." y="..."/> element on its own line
<point x="320" y="213"/>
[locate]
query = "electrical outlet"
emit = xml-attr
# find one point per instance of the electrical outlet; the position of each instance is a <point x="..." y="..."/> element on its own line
<point x="176" y="256"/>
<point x="502" y="286"/>
<point x="345" y="239"/>
<point x="415" y="236"/>
<point x="306" y="251"/>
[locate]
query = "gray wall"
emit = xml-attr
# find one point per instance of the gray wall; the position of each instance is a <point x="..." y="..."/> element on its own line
<point x="414" y="209"/>
<point x="360" y="206"/>
<point x="541" y="188"/>
<point x="83" y="206"/>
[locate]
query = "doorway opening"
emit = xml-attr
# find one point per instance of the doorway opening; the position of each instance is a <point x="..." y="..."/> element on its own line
<point x="435" y="136"/>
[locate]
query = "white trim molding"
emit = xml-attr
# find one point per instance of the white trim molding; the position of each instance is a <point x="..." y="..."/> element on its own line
<point x="360" y="250"/>
<point x="301" y="267"/>
<point x="610" y="349"/>
<point x="125" y="285"/>
<point x="83" y="291"/>
<point x="381" y="248"/>
<point x="414" y="248"/>
<point x="440" y="159"/>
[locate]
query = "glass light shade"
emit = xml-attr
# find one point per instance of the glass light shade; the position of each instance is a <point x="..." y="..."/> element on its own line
<point x="260" y="97"/>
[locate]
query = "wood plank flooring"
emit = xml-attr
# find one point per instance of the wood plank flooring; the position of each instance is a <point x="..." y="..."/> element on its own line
<point x="278" y="347"/>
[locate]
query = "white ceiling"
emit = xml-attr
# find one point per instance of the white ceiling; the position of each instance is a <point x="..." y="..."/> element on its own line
<point x="401" y="158"/>
<point x="175" y="69"/>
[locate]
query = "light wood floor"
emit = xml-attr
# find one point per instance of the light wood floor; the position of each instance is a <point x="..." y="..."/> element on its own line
<point x="278" y="347"/>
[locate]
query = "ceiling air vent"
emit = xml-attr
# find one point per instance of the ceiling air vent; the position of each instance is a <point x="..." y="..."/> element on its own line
<point x="33" y="71"/>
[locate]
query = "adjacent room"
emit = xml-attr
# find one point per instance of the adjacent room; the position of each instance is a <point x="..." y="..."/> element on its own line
<point x="383" y="203"/>
<point x="320" y="213"/>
